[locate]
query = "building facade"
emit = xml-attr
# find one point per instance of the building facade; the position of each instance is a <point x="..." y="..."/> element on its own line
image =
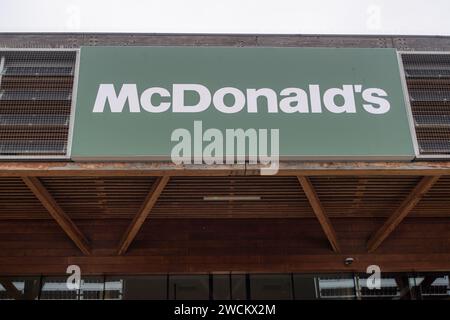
<point x="150" y="228"/>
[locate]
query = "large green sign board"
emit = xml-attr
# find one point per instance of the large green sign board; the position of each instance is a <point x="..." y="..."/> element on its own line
<point x="327" y="104"/>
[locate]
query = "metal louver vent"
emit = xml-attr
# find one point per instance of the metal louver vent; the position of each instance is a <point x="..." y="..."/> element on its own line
<point x="428" y="82"/>
<point x="35" y="102"/>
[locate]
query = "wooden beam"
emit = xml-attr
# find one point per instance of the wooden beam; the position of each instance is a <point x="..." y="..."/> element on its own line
<point x="324" y="221"/>
<point x="35" y="185"/>
<point x="406" y="290"/>
<point x="158" y="168"/>
<point x="190" y="262"/>
<point x="31" y="289"/>
<point x="11" y="289"/>
<point x="428" y="281"/>
<point x="401" y="212"/>
<point x="139" y="219"/>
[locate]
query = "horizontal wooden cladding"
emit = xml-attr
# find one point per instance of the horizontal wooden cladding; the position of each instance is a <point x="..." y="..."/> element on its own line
<point x="36" y="82"/>
<point x="53" y="208"/>
<point x="18" y="202"/>
<point x="41" y="104"/>
<point x="214" y="245"/>
<point x="30" y="56"/>
<point x="362" y="196"/>
<point x="50" y="109"/>
<point x="279" y="197"/>
<point x="428" y="84"/>
<point x="144" y="265"/>
<point x="431" y="134"/>
<point x="435" y="202"/>
<point x="116" y="197"/>
<point x="99" y="197"/>
<point x="45" y="134"/>
<point x="282" y="236"/>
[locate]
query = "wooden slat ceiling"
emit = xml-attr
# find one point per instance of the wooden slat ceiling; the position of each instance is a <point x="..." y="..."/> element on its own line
<point x="18" y="202"/>
<point x="362" y="196"/>
<point x="280" y="197"/>
<point x="93" y="197"/>
<point x="436" y="202"/>
<point x="183" y="197"/>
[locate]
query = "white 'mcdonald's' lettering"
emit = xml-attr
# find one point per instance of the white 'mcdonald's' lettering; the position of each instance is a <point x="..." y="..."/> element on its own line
<point x="288" y="100"/>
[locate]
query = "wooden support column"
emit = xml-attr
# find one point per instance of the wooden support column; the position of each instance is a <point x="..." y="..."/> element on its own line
<point x="401" y="212"/>
<point x="324" y="221"/>
<point x="139" y="219"/>
<point x="412" y="292"/>
<point x="57" y="213"/>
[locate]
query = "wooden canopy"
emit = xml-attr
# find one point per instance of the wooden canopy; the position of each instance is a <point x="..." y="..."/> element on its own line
<point x="155" y="217"/>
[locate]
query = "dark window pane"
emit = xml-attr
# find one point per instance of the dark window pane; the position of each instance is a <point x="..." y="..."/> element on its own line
<point x="394" y="286"/>
<point x="221" y="286"/>
<point x="305" y="287"/>
<point x="274" y="287"/>
<point x="194" y="287"/>
<point x="238" y="287"/>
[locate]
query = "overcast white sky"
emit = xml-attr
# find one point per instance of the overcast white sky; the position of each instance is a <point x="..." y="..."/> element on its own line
<point x="414" y="17"/>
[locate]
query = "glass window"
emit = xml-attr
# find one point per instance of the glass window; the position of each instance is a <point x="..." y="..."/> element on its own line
<point x="221" y="286"/>
<point x="433" y="286"/>
<point x="305" y="287"/>
<point x="189" y="287"/>
<point x="238" y="287"/>
<point x="91" y="288"/>
<point x="136" y="288"/>
<point x="55" y="288"/>
<point x="229" y="287"/>
<point x="271" y="287"/>
<point x="324" y="286"/>
<point x="19" y="288"/>
<point x="392" y="286"/>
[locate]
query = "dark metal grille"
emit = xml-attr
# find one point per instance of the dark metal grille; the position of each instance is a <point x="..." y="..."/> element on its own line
<point x="35" y="102"/>
<point x="428" y="81"/>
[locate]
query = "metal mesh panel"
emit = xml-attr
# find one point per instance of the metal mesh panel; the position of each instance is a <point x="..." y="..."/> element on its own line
<point x="35" y="102"/>
<point x="428" y="82"/>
